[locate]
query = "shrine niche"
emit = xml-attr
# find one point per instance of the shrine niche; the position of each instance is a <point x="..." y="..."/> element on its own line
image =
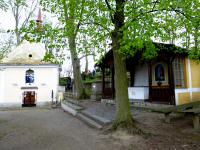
<point x="159" y="72"/>
<point x="29" y="78"/>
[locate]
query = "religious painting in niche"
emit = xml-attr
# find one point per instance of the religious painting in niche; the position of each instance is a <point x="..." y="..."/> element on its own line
<point x="159" y="73"/>
<point x="29" y="76"/>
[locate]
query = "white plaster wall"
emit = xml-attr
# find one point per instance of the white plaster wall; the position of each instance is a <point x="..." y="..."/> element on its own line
<point x="138" y="93"/>
<point x="1" y="84"/>
<point x="141" y="77"/>
<point x="46" y="79"/>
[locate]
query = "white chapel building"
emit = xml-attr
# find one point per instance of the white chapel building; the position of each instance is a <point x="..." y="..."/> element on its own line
<point x="25" y="79"/>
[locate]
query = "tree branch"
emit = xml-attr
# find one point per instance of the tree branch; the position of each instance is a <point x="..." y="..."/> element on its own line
<point x="110" y="9"/>
<point x="86" y="56"/>
<point x="30" y="13"/>
<point x="65" y="10"/>
<point x="108" y="5"/>
<point x="98" y="24"/>
<point x="160" y="10"/>
<point x="81" y="17"/>
<point x="150" y="3"/>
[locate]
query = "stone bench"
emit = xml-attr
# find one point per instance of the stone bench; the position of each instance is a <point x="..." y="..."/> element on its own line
<point x="195" y="112"/>
<point x="192" y="108"/>
<point x="166" y="112"/>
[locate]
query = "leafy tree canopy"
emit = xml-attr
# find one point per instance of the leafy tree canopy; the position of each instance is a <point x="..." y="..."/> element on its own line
<point x="153" y="20"/>
<point x="3" y="5"/>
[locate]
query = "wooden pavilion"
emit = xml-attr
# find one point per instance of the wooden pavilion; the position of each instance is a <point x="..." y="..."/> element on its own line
<point x="154" y="80"/>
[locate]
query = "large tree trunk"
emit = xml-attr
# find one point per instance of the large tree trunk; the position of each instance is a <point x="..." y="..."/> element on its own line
<point x="121" y="83"/>
<point x="79" y="92"/>
<point x="86" y="63"/>
<point x="79" y="88"/>
<point x="123" y="115"/>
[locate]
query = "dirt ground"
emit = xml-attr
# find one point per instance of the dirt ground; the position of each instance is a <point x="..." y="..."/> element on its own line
<point x="53" y="129"/>
<point x="177" y="135"/>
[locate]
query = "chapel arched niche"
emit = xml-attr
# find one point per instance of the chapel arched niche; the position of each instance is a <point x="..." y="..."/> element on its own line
<point x="29" y="77"/>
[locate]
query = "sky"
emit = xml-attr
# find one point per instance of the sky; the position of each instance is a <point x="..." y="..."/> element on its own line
<point x="7" y="22"/>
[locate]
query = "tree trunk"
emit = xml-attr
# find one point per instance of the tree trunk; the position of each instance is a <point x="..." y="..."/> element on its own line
<point x="86" y="64"/>
<point x="16" y="15"/>
<point x="79" y="88"/>
<point x="123" y="115"/>
<point x="79" y="92"/>
<point x="121" y="83"/>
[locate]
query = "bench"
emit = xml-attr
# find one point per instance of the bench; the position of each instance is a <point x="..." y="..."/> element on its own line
<point x="192" y="108"/>
<point x="166" y="112"/>
<point x="195" y="112"/>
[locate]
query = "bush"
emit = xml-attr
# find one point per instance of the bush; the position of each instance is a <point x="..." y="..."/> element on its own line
<point x="63" y="81"/>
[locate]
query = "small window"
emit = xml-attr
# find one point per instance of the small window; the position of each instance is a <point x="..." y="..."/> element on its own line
<point x="30" y="55"/>
<point x="179" y="72"/>
<point x="29" y="76"/>
<point x="159" y="73"/>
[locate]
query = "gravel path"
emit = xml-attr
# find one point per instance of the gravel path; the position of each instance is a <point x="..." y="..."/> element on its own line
<point x="49" y="129"/>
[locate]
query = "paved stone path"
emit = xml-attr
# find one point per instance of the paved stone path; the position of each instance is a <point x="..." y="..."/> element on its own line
<point x="179" y="134"/>
<point x="107" y="111"/>
<point x="49" y="129"/>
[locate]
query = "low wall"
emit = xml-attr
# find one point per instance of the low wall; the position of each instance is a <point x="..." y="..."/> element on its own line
<point x="138" y="93"/>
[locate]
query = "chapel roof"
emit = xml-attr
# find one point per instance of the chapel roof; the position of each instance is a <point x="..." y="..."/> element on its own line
<point x="26" y="53"/>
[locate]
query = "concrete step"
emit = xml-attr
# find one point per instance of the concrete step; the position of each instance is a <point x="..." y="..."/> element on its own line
<point x="89" y="121"/>
<point x="70" y="100"/>
<point x="100" y="120"/>
<point x="75" y="109"/>
<point x="71" y="107"/>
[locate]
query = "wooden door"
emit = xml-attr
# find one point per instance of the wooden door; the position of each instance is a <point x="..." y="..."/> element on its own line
<point x="29" y="98"/>
<point x="160" y="85"/>
<point x="161" y="94"/>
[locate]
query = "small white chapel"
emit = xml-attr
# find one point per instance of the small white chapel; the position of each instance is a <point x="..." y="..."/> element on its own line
<point x="25" y="79"/>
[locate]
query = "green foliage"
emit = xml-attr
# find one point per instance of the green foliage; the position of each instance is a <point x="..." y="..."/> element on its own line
<point x="54" y="42"/>
<point x="90" y="78"/>
<point x="49" y="57"/>
<point x="146" y="21"/>
<point x="3" y="5"/>
<point x="150" y="51"/>
<point x="63" y="81"/>
<point x="195" y="54"/>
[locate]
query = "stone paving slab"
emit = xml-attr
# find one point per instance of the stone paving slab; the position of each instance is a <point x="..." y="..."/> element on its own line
<point x="103" y="110"/>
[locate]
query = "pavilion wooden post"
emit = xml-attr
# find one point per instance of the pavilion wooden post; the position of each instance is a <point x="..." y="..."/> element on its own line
<point x="113" y="82"/>
<point x="103" y="81"/>
<point x="171" y="81"/>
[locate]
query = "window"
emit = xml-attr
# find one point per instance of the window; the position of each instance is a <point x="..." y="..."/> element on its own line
<point x="179" y="72"/>
<point x="159" y="73"/>
<point x="29" y="76"/>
